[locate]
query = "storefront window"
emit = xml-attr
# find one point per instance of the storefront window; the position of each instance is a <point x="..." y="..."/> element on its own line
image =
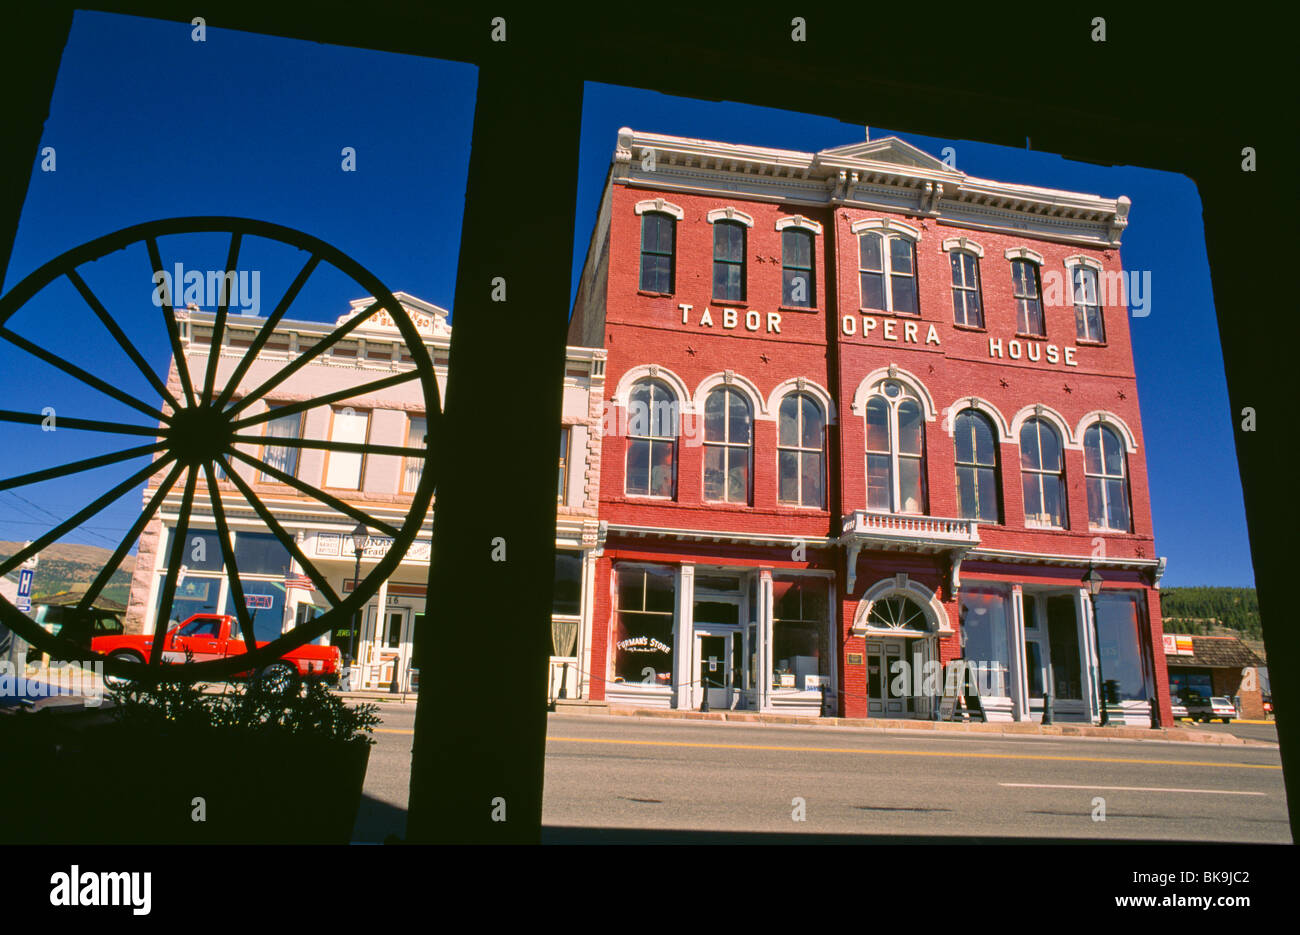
<point x="195" y="594"/>
<point x="1123" y="664"/>
<point x="643" y="632"/>
<point x="260" y="553"/>
<point x="265" y="603"/>
<point x="985" y="625"/>
<point x="800" y="630"/>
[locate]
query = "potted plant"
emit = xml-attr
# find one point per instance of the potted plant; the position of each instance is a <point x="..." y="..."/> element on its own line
<point x="172" y="763"/>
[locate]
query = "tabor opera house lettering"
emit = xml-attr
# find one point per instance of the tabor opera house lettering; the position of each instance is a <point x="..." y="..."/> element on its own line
<point x="1032" y="351"/>
<point x="889" y="329"/>
<point x="731" y="318"/>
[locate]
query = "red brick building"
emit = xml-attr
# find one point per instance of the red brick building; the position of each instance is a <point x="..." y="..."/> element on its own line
<point x="865" y="415"/>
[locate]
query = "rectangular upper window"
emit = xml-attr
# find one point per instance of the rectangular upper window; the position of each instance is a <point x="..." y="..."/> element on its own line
<point x="887" y="273"/>
<point x="281" y="457"/>
<point x="658" y="239"/>
<point x="798" y="280"/>
<point x="344" y="468"/>
<point x="966" y="308"/>
<point x="1087" y="307"/>
<point x="417" y="430"/>
<point x="1029" y="304"/>
<point x="729" y="261"/>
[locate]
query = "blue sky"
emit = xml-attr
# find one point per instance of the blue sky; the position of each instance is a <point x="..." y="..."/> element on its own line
<point x="1196" y="497"/>
<point x="146" y="124"/>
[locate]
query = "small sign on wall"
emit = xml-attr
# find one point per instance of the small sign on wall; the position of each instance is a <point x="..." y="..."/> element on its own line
<point x="855" y="659"/>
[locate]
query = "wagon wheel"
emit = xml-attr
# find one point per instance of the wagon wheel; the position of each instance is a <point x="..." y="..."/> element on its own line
<point x="191" y="435"/>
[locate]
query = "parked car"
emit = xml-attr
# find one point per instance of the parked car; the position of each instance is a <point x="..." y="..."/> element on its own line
<point x="206" y="637"/>
<point x="1207" y="709"/>
<point x="1179" y="709"/>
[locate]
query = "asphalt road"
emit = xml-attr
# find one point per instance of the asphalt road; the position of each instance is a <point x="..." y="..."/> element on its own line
<point x="657" y="774"/>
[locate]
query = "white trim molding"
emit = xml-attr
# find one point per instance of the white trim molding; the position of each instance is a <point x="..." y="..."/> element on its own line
<point x="1078" y="259"/>
<point x="801" y="384"/>
<point x="1024" y="253"/>
<point x="887" y="226"/>
<point x="1114" y="421"/>
<point x="654" y="372"/>
<point x="908" y="379"/>
<point x="735" y="381"/>
<point x="964" y="244"/>
<point x="931" y="606"/>
<point x="981" y="405"/>
<point x="729" y="214"/>
<point x="659" y="205"/>
<point x="1049" y="414"/>
<point x="799" y="221"/>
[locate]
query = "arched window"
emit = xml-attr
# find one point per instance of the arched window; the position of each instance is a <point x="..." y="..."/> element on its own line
<point x="1028" y="295"/>
<point x="966" y="307"/>
<point x="798" y="279"/>
<point x="896" y="613"/>
<point x="729" y="261"/>
<point x="895" y="450"/>
<point x="800" y="447"/>
<point x="1042" y="470"/>
<point x="1104" y="467"/>
<point x="658" y="235"/>
<point x="652" y="439"/>
<point x="887" y="271"/>
<point x="728" y="438"/>
<point x="977" y="466"/>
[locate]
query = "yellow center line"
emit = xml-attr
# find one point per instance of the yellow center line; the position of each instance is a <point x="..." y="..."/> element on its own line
<point x="947" y="753"/>
<point x="393" y="730"/>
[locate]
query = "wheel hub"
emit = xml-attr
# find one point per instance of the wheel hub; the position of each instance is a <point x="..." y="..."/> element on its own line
<point x="200" y="434"/>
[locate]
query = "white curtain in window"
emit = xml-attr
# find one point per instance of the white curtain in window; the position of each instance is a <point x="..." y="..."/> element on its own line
<point x="345" y="466"/>
<point x="281" y="457"/>
<point x="415" y="466"/>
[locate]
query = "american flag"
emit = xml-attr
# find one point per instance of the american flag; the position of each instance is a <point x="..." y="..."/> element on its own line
<point x="298" y="581"/>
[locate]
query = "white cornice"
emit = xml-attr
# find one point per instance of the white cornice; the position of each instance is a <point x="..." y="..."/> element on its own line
<point x="882" y="173"/>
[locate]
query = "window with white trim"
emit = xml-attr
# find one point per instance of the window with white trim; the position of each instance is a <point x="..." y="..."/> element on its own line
<point x="281" y="457"/>
<point x="800" y="451"/>
<point x="895" y="449"/>
<point x="417" y="431"/>
<point x="652" y="430"/>
<point x="798" y="279"/>
<point x="728" y="445"/>
<point x="345" y="468"/>
<point x="1042" y="471"/>
<point x="977" y="466"/>
<point x="1088" y="323"/>
<point x="729" y="261"/>
<point x="1105" y="471"/>
<point x="658" y="240"/>
<point x="887" y="272"/>
<point x="966" y="306"/>
<point x="1028" y="294"/>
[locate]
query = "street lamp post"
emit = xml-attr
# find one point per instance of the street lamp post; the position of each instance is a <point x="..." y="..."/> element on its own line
<point x="359" y="536"/>
<point x="1093" y="582"/>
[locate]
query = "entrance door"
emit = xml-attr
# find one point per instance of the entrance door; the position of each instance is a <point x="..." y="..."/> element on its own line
<point x="889" y="685"/>
<point x="1052" y="659"/>
<point x="716" y="672"/>
<point x="389" y="647"/>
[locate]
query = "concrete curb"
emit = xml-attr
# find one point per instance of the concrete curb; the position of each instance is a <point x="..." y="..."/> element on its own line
<point x="1016" y="728"/>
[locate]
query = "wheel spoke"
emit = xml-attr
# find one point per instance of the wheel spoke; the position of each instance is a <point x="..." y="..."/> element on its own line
<point x="277" y="441"/>
<point x="105" y="573"/>
<point x="179" y="533"/>
<point x="219" y="323"/>
<point x="285" y="538"/>
<point x="320" y="347"/>
<point x="88" y="378"/>
<point x="173" y="332"/>
<point x="35" y="477"/>
<point x="87" y="425"/>
<point x="405" y="376"/>
<point x="84" y="514"/>
<point x="268" y="328"/>
<point x="317" y="494"/>
<point x="122" y="341"/>
<point x="232" y="568"/>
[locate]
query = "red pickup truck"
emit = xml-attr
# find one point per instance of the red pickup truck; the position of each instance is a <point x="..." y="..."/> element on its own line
<point x="208" y="637"/>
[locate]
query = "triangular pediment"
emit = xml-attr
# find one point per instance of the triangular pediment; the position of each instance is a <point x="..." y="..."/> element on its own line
<point x="890" y="150"/>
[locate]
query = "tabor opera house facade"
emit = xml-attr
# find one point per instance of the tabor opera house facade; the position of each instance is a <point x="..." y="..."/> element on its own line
<point x="866" y="415"/>
<point x="380" y="485"/>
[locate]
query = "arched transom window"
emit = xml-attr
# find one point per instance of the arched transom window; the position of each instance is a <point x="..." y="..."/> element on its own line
<point x="1104" y="466"/>
<point x="896" y="613"/>
<point x="728" y="439"/>
<point x="895" y="449"/>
